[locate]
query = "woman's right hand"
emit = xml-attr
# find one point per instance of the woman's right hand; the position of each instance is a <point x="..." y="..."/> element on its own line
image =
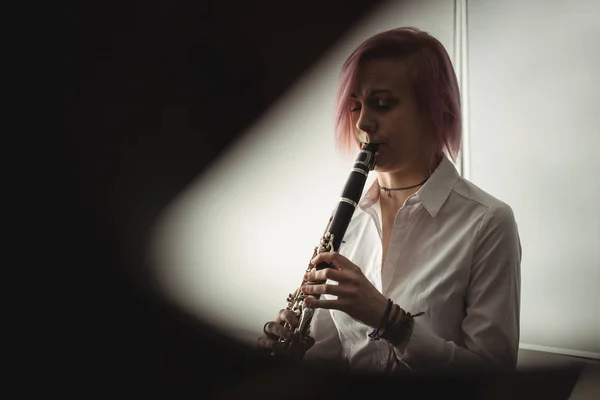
<point x="273" y="330"/>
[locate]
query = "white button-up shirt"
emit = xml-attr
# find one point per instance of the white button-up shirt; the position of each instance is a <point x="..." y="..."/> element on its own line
<point x="455" y="254"/>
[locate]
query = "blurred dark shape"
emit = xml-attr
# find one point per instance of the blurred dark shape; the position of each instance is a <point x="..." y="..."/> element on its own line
<point x="148" y="95"/>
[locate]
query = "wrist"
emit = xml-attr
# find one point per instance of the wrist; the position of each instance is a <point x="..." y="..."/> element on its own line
<point x="378" y="313"/>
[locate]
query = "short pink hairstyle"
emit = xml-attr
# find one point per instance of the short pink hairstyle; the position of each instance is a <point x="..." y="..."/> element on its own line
<point x="433" y="81"/>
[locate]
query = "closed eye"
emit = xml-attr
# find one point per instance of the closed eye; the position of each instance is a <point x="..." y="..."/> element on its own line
<point x="374" y="103"/>
<point x="355" y="106"/>
<point x="379" y="103"/>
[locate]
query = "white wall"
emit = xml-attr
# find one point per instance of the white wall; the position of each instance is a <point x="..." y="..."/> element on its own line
<point x="534" y="137"/>
<point x="238" y="240"/>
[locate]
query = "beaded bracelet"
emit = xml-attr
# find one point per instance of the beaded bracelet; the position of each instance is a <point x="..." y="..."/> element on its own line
<point x="375" y="335"/>
<point x="386" y="322"/>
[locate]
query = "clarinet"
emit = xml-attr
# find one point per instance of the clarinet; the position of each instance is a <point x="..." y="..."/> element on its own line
<point x="330" y="241"/>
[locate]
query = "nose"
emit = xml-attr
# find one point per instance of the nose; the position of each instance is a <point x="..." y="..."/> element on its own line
<point x="366" y="124"/>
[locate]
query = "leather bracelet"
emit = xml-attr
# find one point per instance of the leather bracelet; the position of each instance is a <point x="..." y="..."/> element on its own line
<point x="397" y="332"/>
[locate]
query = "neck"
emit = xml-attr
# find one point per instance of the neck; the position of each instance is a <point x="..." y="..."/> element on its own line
<point x="410" y="175"/>
<point x="405" y="176"/>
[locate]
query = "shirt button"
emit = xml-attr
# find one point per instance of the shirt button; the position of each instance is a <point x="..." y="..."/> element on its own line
<point x="382" y="362"/>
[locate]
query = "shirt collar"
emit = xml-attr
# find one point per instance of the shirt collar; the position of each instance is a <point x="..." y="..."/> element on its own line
<point x="432" y="194"/>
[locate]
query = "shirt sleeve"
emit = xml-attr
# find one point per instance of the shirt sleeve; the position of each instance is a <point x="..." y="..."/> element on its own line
<point x="492" y="306"/>
<point x="328" y="347"/>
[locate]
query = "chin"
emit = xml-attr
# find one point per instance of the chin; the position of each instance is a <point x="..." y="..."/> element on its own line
<point x="382" y="164"/>
<point x="387" y="166"/>
<point x="382" y="168"/>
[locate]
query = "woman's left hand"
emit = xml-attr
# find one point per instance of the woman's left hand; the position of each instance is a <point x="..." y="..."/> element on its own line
<point x="356" y="296"/>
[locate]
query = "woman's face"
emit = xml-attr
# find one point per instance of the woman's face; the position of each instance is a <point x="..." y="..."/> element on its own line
<point x="384" y="111"/>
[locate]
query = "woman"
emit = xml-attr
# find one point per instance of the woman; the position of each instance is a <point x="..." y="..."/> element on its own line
<point x="422" y="239"/>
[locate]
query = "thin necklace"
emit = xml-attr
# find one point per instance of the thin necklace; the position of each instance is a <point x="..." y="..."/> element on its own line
<point x="388" y="190"/>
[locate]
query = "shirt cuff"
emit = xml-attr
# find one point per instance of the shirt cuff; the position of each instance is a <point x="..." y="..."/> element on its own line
<point x="424" y="349"/>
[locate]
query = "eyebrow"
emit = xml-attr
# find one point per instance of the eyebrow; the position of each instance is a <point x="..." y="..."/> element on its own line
<point x="353" y="95"/>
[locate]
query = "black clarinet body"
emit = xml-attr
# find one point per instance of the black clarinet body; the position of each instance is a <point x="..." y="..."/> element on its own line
<point x="330" y="241"/>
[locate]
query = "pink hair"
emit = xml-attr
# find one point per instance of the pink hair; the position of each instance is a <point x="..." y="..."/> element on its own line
<point x="434" y="84"/>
